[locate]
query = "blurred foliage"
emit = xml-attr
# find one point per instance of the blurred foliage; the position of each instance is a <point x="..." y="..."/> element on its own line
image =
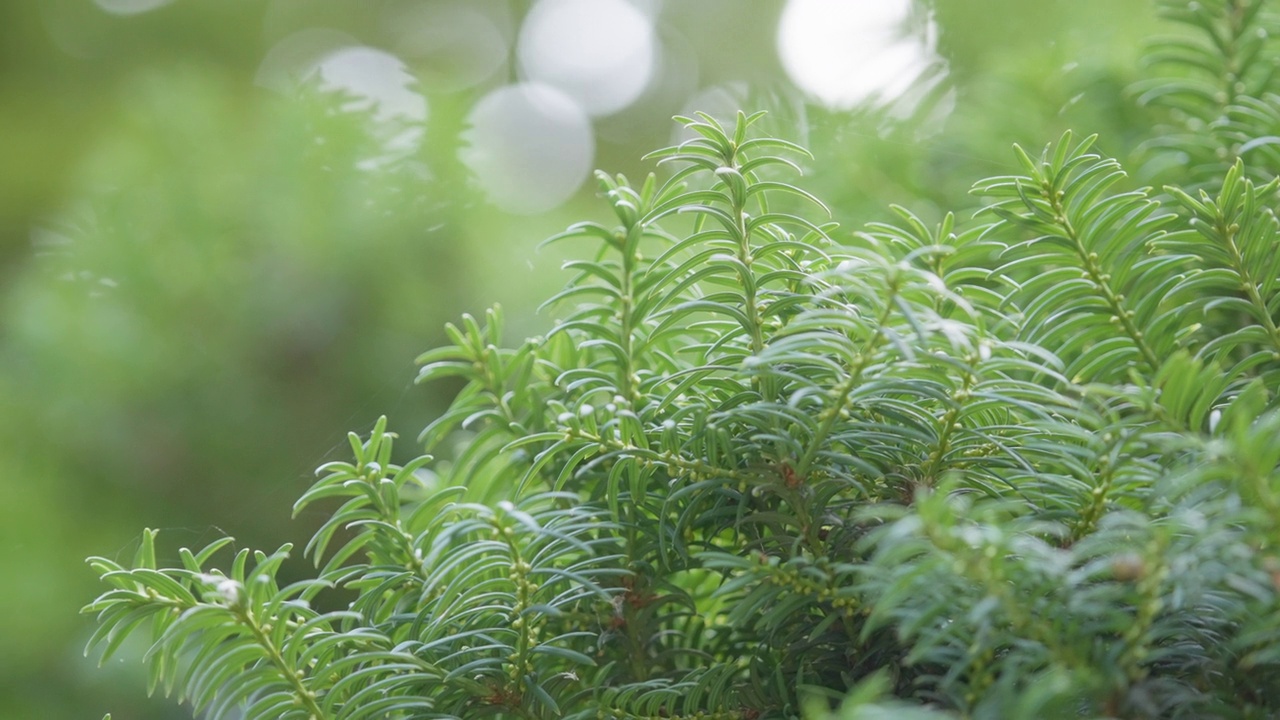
<point x="201" y="289"/>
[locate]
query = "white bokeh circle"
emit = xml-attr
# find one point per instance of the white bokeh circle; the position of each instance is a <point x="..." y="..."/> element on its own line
<point x="601" y="53"/>
<point x="294" y="58"/>
<point x="369" y="80"/>
<point x="849" y="52"/>
<point x="376" y="80"/>
<point x="530" y="146"/>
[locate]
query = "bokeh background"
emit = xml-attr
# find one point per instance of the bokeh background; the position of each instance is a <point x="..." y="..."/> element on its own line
<point x="228" y="226"/>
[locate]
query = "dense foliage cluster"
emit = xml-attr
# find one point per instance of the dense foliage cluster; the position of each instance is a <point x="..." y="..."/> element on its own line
<point x="1026" y="465"/>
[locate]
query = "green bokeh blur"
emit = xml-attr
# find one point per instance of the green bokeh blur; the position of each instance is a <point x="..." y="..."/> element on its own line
<point x="204" y="284"/>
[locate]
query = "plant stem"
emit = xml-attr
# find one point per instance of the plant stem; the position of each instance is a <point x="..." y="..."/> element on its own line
<point x="294" y="677"/>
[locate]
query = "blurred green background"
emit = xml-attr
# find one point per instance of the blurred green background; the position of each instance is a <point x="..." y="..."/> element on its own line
<point x="228" y="226"/>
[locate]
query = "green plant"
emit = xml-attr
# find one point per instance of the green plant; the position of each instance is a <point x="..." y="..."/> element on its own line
<point x="1024" y="466"/>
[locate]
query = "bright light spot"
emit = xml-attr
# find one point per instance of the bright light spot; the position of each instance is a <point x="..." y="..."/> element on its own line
<point x="377" y="80"/>
<point x="848" y="52"/>
<point x="369" y="80"/>
<point x="530" y="147"/>
<point x="456" y="42"/>
<point x="130" y="7"/>
<point x="294" y="58"/>
<point x="380" y="83"/>
<point x="599" y="52"/>
<point x="674" y="79"/>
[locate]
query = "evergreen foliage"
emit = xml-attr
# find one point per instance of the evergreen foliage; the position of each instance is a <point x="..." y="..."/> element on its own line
<point x="1014" y="467"/>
